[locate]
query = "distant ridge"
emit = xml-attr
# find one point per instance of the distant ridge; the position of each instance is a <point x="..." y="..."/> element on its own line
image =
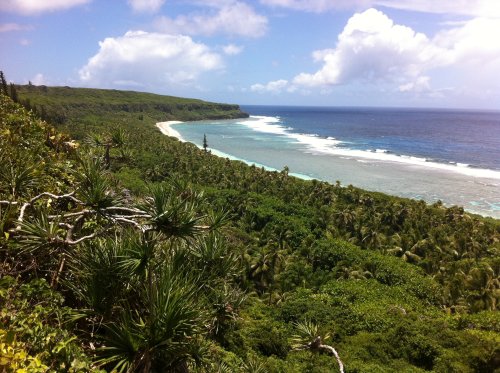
<point x="61" y="103"/>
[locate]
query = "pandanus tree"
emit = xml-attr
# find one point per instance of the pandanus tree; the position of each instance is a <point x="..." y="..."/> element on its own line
<point x="142" y="276"/>
<point x="116" y="139"/>
<point x="160" y="330"/>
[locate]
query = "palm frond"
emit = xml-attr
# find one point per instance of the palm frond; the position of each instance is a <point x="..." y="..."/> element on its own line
<point x="7" y="218"/>
<point x="138" y="252"/>
<point x="174" y="211"/>
<point x="214" y="258"/>
<point x="19" y="178"/>
<point x="97" y="278"/>
<point x="95" y="139"/>
<point x="162" y="334"/>
<point x="253" y="365"/>
<point x="39" y="232"/>
<point x="122" y="343"/>
<point x="306" y="332"/>
<point x="119" y="137"/>
<point x="95" y="187"/>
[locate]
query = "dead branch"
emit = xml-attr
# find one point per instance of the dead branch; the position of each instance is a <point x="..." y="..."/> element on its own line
<point x="71" y="215"/>
<point x="9" y="203"/>
<point x="69" y="196"/>
<point x="130" y="210"/>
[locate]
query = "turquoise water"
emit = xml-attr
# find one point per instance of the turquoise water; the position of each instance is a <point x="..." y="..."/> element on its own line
<point x="275" y="142"/>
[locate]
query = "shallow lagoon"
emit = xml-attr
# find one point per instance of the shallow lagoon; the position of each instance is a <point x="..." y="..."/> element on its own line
<point x="264" y="141"/>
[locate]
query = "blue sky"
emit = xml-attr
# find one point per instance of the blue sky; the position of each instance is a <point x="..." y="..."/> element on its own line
<point x="423" y="53"/>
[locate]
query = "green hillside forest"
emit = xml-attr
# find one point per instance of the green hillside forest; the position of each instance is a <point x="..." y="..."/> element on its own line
<point x="124" y="250"/>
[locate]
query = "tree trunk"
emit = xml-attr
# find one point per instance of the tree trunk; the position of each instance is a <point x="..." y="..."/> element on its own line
<point x="55" y="278"/>
<point x="107" y="160"/>
<point x="317" y="345"/>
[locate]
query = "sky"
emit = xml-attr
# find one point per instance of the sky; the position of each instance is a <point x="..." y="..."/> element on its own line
<point x="384" y="53"/>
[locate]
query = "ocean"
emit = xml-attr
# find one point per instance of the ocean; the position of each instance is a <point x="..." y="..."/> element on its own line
<point x="429" y="154"/>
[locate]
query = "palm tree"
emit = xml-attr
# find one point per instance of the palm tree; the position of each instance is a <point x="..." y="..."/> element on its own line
<point x="94" y="183"/>
<point x="205" y="143"/>
<point x="372" y="238"/>
<point x="308" y="337"/>
<point x="484" y="285"/>
<point x="259" y="269"/>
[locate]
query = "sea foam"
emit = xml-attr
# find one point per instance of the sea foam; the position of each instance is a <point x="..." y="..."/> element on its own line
<point x="313" y="143"/>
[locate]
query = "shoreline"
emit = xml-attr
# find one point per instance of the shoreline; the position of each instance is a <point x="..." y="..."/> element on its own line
<point x="166" y="129"/>
<point x="319" y="145"/>
<point x="477" y="195"/>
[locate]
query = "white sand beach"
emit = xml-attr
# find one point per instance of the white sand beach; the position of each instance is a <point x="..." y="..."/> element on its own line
<point x="166" y="129"/>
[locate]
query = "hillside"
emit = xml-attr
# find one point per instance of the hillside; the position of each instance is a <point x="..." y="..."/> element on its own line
<point x="162" y="257"/>
<point x="64" y="104"/>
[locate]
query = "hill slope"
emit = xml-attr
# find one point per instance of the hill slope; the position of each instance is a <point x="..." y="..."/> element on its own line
<point x="63" y="104"/>
<point x="399" y="285"/>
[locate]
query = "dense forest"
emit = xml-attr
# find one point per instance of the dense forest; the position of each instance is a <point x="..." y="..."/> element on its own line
<point x="125" y="250"/>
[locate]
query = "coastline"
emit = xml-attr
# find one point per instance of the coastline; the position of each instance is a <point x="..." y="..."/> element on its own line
<point x="408" y="179"/>
<point x="166" y="129"/>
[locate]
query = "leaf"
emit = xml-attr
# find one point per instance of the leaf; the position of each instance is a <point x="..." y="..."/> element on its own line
<point x="10" y="337"/>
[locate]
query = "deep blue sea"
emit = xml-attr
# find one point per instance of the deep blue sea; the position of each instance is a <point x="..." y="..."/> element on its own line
<point x="448" y="136"/>
<point x="430" y="154"/>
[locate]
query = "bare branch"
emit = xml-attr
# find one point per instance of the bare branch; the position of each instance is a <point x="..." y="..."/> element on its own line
<point x="318" y="346"/>
<point x="76" y="242"/>
<point x="55" y="278"/>
<point x="72" y="214"/>
<point x="10" y="203"/>
<point x="131" y="222"/>
<point x="130" y="210"/>
<point x="21" y="215"/>
<point x="41" y="195"/>
<point x="65" y="225"/>
<point x="129" y="216"/>
<point x="203" y="227"/>
<point x="55" y="196"/>
<point x="331" y="350"/>
<point x="78" y="223"/>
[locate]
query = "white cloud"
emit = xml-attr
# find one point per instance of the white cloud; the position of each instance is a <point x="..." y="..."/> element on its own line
<point x="315" y="5"/>
<point x="28" y="7"/>
<point x="473" y="53"/>
<point x="150" y="60"/>
<point x="475" y="41"/>
<point x="232" y="49"/>
<point x="374" y="51"/>
<point x="474" y="8"/>
<point x="421" y="84"/>
<point x="372" y="48"/>
<point x="8" y="27"/>
<point x="223" y="17"/>
<point x="39" y="79"/>
<point x="150" y="6"/>
<point x="273" y="87"/>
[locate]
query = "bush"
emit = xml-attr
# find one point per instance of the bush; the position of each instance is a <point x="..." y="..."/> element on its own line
<point x="34" y="330"/>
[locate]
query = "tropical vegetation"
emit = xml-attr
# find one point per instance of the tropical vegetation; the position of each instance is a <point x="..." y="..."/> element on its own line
<point x="125" y="250"/>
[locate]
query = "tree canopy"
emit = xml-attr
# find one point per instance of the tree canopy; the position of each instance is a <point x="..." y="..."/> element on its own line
<point x="154" y="256"/>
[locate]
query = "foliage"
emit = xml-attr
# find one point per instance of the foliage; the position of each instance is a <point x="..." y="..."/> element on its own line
<point x="178" y="259"/>
<point x="35" y="333"/>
